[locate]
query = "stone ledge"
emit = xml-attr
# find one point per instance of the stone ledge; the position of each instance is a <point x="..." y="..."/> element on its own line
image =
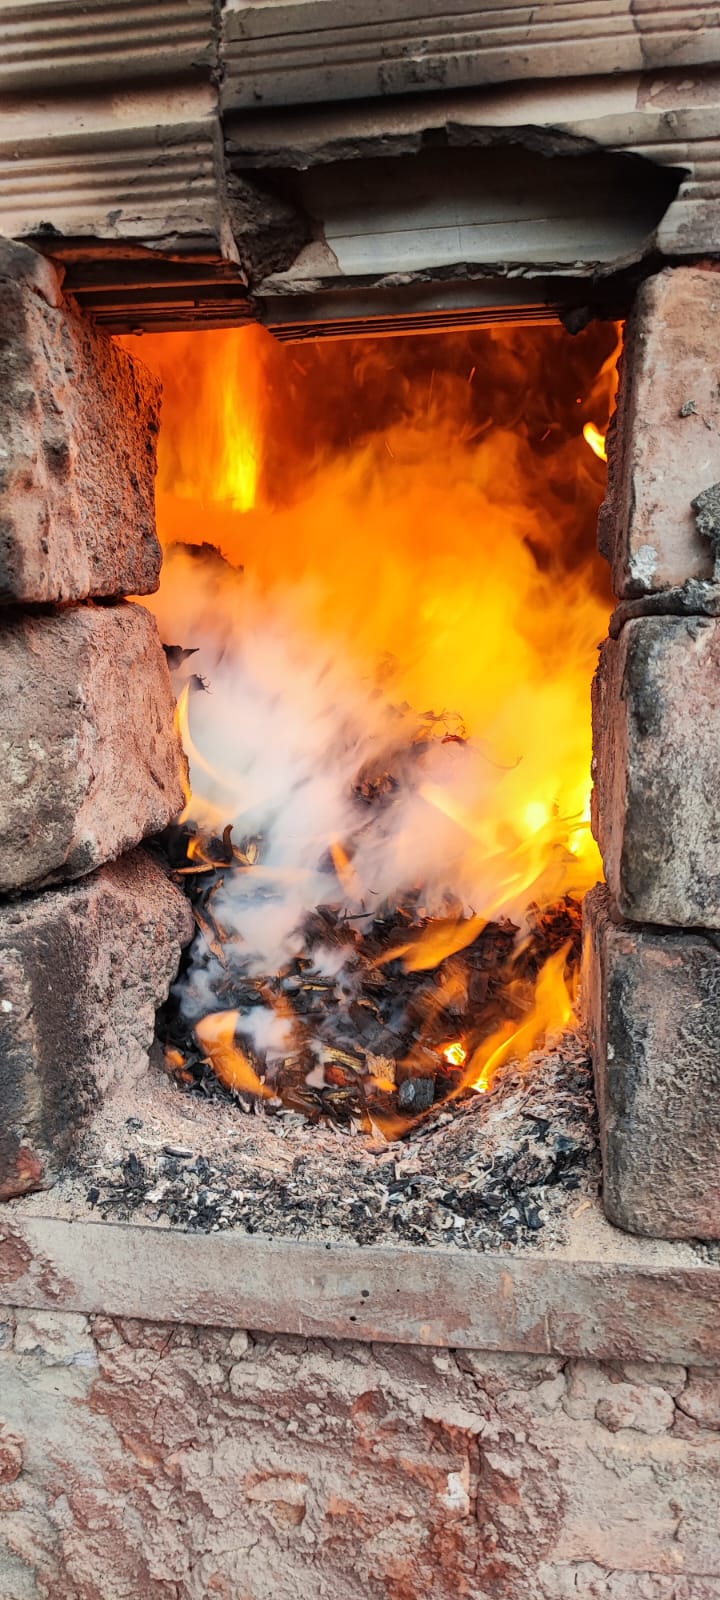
<point x="140" y="1458"/>
<point x="602" y="1295"/>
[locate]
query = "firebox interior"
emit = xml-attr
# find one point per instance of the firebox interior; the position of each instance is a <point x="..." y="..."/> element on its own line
<point x="381" y="601"/>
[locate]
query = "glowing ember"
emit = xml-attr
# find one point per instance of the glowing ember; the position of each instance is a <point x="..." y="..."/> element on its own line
<point x="455" y="1054"/>
<point x="595" y="439"/>
<point x="381" y="556"/>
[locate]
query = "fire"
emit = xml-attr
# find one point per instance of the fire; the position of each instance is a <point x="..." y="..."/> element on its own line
<point x="381" y="552"/>
<point x="602" y="397"/>
<point x="216" y="1034"/>
<point x="595" y="439"/>
<point x="455" y="1054"/>
<point x="551" y="1010"/>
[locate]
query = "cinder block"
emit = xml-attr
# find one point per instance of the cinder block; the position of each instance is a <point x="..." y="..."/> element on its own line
<point x="78" y="433"/>
<point x="90" y="761"/>
<point x="656" y="769"/>
<point x="664" y="445"/>
<point x="82" y="972"/>
<point x="652" y="1000"/>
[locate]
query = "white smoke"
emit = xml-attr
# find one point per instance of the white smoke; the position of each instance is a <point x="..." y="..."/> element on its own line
<point x="282" y="733"/>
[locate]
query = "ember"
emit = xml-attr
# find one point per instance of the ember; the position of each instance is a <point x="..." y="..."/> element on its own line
<point x="387" y="897"/>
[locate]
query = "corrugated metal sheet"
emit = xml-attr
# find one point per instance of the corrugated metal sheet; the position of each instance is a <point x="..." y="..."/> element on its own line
<point x="131" y="197"/>
<point x="448" y="320"/>
<point x="308" y="51"/>
<point x="60" y="43"/>
<point x="130" y="290"/>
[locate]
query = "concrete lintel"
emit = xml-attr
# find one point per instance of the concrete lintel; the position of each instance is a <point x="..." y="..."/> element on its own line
<point x="627" y="1300"/>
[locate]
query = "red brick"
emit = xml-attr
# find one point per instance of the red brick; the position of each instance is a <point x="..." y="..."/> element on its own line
<point x="82" y="972"/>
<point x="78" y="423"/>
<point x="652" y="997"/>
<point x="656" y="769"/>
<point x="90" y="762"/>
<point x="659" y="458"/>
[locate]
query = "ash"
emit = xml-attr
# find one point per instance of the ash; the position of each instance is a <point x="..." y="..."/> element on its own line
<point x="499" y="1170"/>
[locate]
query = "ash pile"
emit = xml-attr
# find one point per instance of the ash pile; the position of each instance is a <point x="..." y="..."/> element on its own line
<point x="505" y="1170"/>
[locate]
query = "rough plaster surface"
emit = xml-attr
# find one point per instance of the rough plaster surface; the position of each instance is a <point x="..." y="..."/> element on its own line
<point x="78" y="433"/>
<point x="143" y="1461"/>
<point x="664" y="446"/>
<point x="653" y="1002"/>
<point x="656" y="769"/>
<point x="82" y="972"/>
<point x="90" y="761"/>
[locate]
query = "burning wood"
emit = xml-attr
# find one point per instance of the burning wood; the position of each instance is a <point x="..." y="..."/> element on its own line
<point x="378" y="1043"/>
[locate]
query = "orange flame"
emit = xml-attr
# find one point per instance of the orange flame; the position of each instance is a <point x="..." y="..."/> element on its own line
<point x="216" y="1035"/>
<point x="392" y="542"/>
<point x="551" y="1011"/>
<point x="602" y="396"/>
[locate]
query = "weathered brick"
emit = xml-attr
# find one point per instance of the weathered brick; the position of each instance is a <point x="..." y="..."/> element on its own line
<point x="656" y="769"/>
<point x="664" y="446"/>
<point x="82" y="972"/>
<point x="90" y="761"/>
<point x="78" y="433"/>
<point x="652" y="998"/>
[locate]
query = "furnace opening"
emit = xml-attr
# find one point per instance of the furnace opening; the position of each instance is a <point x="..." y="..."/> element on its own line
<point x="381" y="601"/>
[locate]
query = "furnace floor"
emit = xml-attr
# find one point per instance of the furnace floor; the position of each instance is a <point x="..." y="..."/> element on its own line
<point x="503" y="1170"/>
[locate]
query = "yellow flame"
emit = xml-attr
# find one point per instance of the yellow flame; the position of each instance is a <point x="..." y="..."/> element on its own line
<point x="455" y="1054"/>
<point x="595" y="439"/>
<point x="536" y="815"/>
<point x="344" y="869"/>
<point x="214" y="456"/>
<point x="239" y="478"/>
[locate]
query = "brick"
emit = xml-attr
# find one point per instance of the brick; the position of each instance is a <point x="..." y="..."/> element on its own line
<point x="78" y="429"/>
<point x="82" y="972"/>
<point x="652" y="999"/>
<point x="656" y="769"/>
<point x="90" y="761"/>
<point x="669" y="1375"/>
<point x="664" y="445"/>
